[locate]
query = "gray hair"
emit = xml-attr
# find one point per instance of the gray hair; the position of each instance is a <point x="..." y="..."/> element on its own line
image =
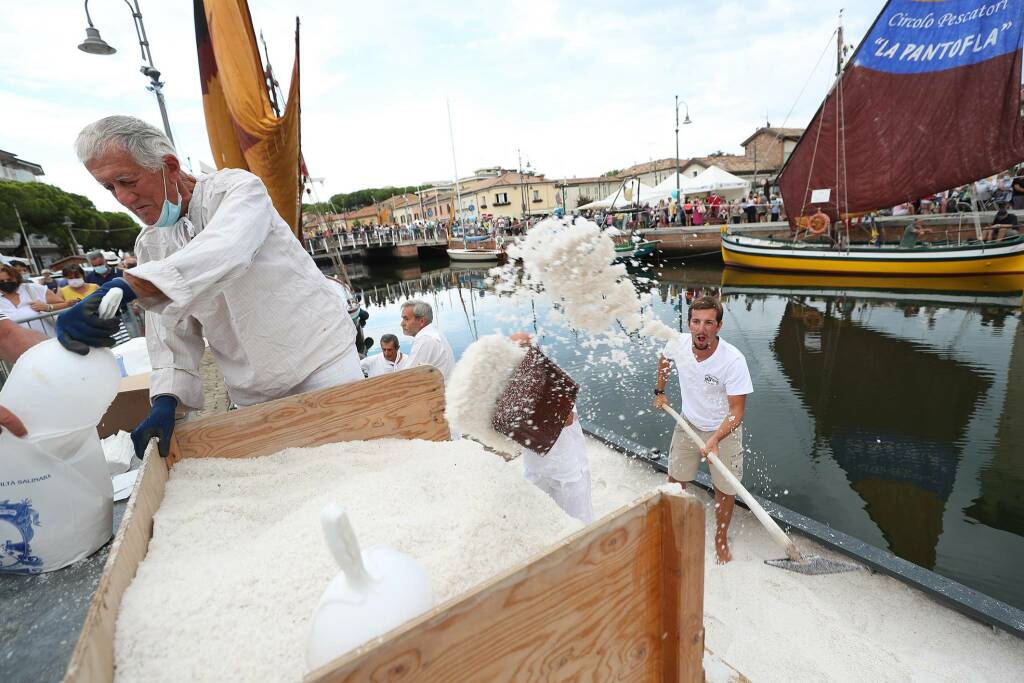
<point x="95" y="254"/>
<point x="146" y="143"/>
<point x="389" y="338"/>
<point x="420" y="309"/>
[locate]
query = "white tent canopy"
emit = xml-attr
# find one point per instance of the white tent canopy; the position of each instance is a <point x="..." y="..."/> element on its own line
<point x="711" y="179"/>
<point x="714" y="179"/>
<point x="633" y="192"/>
<point x="666" y="187"/>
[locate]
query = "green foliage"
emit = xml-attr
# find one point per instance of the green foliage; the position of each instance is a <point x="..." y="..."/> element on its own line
<point x="356" y="200"/>
<point x="43" y="208"/>
<point x="583" y="200"/>
<point x="615" y="172"/>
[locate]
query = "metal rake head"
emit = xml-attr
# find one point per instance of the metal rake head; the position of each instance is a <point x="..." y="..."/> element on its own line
<point x="813" y="564"/>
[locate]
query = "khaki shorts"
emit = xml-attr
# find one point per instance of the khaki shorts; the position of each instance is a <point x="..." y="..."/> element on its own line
<point x="684" y="457"/>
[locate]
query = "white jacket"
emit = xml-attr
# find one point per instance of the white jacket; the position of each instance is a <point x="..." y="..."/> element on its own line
<point x="236" y="275"/>
<point x="429" y="347"/>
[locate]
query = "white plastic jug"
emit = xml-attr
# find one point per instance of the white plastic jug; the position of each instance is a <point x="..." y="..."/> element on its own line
<point x="377" y="590"/>
<point x="56" y="499"/>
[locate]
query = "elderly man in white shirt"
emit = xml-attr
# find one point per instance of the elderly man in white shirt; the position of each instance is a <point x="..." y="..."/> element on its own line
<point x="390" y="359"/>
<point x="216" y="262"/>
<point x="429" y="346"/>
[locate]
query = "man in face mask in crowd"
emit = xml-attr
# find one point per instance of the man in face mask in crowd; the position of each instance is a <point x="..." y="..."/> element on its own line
<point x="217" y="265"/>
<point x="101" y="273"/>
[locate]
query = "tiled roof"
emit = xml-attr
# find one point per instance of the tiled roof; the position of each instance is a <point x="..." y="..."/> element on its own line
<point x="732" y="163"/>
<point x="506" y="180"/>
<point x="651" y="166"/>
<point x="365" y="212"/>
<point x="784" y="133"/>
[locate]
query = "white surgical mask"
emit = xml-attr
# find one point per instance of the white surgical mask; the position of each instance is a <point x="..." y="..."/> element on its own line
<point x="170" y="213"/>
<point x="76" y="282"/>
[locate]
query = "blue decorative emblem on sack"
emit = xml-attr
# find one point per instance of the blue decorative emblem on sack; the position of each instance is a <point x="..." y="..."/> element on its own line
<point x="16" y="555"/>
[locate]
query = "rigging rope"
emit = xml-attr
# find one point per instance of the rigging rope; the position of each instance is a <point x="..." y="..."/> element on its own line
<point x="810" y="76"/>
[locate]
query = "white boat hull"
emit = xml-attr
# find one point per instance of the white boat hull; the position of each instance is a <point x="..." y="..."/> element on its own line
<point x="474" y="254"/>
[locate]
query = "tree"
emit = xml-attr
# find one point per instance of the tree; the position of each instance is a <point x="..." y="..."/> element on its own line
<point x="583" y="200"/>
<point x="615" y="172"/>
<point x="350" y="201"/>
<point x="43" y="209"/>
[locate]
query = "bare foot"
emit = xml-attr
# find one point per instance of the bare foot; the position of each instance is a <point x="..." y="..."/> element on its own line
<point x="722" y="553"/>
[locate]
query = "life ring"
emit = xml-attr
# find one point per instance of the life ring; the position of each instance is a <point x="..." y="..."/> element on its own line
<point x="817" y="224"/>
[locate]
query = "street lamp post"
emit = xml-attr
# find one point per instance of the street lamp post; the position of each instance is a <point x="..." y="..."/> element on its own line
<point x="71" y="233"/>
<point x="95" y="45"/>
<point x="686" y="121"/>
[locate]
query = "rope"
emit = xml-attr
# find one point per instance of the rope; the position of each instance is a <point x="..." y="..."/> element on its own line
<point x="817" y="136"/>
<point x="809" y="77"/>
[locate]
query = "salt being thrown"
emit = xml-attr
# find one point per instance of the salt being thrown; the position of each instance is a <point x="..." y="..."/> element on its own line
<point x="477" y="383"/>
<point x="573" y="261"/>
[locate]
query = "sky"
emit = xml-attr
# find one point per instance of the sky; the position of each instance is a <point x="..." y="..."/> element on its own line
<point x="575" y="88"/>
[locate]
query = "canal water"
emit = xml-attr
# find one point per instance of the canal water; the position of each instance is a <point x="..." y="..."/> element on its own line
<point x="890" y="410"/>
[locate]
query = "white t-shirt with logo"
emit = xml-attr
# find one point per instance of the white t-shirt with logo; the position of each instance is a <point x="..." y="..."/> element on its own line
<point x="706" y="385"/>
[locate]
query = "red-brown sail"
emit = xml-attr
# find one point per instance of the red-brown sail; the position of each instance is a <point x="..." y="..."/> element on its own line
<point x="930" y="101"/>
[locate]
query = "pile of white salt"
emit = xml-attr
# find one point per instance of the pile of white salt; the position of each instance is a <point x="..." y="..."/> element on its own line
<point x="237" y="562"/>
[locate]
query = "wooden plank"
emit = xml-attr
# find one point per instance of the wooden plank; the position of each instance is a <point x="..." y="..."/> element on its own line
<point x="93" y="657"/>
<point x="589" y="609"/>
<point x="403" y="405"/>
<point x="683" y="588"/>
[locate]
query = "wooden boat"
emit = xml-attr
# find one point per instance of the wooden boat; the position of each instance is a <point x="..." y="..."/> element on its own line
<point x="641" y="249"/>
<point x="476" y="255"/>
<point x="628" y="246"/>
<point x="871" y="145"/>
<point x="979" y="290"/>
<point x="929" y="260"/>
<point x="479" y="248"/>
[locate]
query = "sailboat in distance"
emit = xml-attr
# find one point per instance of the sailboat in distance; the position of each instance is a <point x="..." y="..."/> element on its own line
<point x="929" y="101"/>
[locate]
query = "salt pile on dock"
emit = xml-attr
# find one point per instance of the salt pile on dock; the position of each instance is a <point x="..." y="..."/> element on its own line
<point x="775" y="625"/>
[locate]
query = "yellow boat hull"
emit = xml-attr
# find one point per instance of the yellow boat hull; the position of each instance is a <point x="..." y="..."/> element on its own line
<point x="1002" y="283"/>
<point x="759" y="254"/>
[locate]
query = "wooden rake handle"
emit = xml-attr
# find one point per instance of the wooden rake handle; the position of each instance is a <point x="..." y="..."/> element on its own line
<point x="767" y="522"/>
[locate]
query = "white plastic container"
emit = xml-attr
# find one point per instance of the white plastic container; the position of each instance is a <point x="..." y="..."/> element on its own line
<point x="376" y="591"/>
<point x="56" y="499"/>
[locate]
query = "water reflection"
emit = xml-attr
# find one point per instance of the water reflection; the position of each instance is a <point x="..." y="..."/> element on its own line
<point x="888" y="409"/>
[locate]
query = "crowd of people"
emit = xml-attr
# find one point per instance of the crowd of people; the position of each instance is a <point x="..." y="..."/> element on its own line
<point x="695" y="211"/>
<point x="32" y="302"/>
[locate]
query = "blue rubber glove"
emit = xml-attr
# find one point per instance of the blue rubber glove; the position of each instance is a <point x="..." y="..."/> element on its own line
<point x="80" y="327"/>
<point x="159" y="424"/>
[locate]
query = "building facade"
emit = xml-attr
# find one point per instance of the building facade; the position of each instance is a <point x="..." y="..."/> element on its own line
<point x="19" y="170"/>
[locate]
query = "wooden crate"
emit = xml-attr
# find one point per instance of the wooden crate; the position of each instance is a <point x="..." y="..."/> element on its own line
<point x="620" y="600"/>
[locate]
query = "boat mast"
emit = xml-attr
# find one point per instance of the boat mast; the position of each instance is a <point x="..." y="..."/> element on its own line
<point x="455" y="168"/>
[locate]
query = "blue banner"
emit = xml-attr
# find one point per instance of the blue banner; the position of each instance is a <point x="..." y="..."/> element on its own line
<point x="922" y="36"/>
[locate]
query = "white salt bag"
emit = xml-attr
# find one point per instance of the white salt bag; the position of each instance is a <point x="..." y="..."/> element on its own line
<point x="56" y="499"/>
<point x="376" y="591"/>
